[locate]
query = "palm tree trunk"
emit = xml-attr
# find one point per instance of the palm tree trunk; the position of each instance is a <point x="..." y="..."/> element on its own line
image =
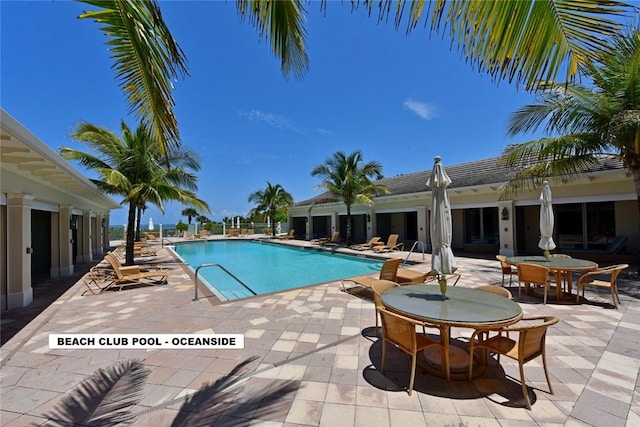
<point x="131" y="223"/>
<point x="138" y="219"/>
<point x="348" y="226"/>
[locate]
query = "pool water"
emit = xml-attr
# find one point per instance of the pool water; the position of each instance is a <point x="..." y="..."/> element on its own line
<point x="267" y="267"/>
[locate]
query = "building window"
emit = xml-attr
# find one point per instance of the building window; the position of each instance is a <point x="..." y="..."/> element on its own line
<point x="585" y="225"/>
<point x="481" y="226"/>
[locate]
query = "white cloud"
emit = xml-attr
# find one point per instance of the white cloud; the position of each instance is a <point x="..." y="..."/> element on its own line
<point x="281" y="122"/>
<point x="424" y="110"/>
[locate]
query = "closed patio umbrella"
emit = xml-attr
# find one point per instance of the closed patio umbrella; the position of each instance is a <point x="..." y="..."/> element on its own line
<point x="150" y="224"/>
<point x="442" y="259"/>
<point x="546" y="220"/>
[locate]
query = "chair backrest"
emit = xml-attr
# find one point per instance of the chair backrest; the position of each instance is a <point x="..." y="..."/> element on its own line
<point x="506" y="267"/>
<point x="389" y="269"/>
<point x="373" y="240"/>
<point x="495" y="290"/>
<point x="393" y="240"/>
<point x="532" y="338"/>
<point x="533" y="273"/>
<point x="399" y="330"/>
<point x="335" y="237"/>
<point x="115" y="264"/>
<point x="613" y="270"/>
<point x="379" y="286"/>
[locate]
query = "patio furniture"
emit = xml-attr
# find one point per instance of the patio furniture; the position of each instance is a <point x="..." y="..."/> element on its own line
<point x="494" y="289"/>
<point x="289" y="235"/>
<point x="529" y="345"/>
<point x="391" y="245"/>
<point x="401" y="332"/>
<point x="388" y="271"/>
<point x="590" y="279"/>
<point x="367" y="246"/>
<point x="507" y="269"/>
<point x="533" y="274"/>
<point x="464" y="307"/>
<point x="558" y="266"/>
<point x="132" y="275"/>
<point x="378" y="287"/>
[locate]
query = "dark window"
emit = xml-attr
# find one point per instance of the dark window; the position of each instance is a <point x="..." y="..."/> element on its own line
<point x="585" y="225"/>
<point x="481" y="225"/>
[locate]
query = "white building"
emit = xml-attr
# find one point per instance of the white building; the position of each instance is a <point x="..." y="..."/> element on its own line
<point x="51" y="216"/>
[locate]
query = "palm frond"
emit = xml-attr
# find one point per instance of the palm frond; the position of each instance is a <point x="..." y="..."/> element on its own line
<point x="146" y="60"/>
<point x="282" y="23"/>
<point x="103" y="398"/>
<point x="526" y="41"/>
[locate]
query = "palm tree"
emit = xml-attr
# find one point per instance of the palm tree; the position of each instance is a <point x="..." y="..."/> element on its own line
<point x="518" y="40"/>
<point x="134" y="167"/>
<point x="590" y="122"/>
<point x="190" y="213"/>
<point x="271" y="200"/>
<point x="344" y="177"/>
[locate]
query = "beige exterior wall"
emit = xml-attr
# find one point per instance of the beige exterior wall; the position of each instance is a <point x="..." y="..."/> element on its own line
<point x="611" y="186"/>
<point x="34" y="177"/>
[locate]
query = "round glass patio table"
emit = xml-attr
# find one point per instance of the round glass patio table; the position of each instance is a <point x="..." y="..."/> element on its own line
<point x="558" y="267"/>
<point x="463" y="307"/>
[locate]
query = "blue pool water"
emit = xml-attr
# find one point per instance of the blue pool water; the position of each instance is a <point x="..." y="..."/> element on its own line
<point x="266" y="267"/>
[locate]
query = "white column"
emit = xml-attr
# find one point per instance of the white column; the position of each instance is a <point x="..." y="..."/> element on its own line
<point x="20" y="292"/>
<point x="66" y="241"/>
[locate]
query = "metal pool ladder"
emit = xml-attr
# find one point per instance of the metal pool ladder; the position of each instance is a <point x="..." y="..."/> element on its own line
<point x="422" y="245"/>
<point x="195" y="298"/>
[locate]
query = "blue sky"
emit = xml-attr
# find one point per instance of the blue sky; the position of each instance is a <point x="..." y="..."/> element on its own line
<point x="400" y="99"/>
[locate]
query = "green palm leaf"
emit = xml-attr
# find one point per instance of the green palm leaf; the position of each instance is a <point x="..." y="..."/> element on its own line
<point x="526" y="41"/>
<point x="146" y="60"/>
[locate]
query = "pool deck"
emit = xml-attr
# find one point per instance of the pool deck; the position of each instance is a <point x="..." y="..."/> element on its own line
<point x="312" y="358"/>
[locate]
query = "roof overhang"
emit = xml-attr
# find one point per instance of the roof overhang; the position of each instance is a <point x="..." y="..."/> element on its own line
<point x="29" y="166"/>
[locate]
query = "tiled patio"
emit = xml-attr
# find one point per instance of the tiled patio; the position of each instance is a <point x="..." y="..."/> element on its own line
<point x="313" y="357"/>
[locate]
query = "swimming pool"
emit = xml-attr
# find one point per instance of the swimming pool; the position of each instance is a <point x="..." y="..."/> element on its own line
<point x="267" y="267"/>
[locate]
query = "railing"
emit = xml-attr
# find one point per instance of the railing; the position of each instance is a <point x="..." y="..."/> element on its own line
<point x="223" y="269"/>
<point x="422" y="245"/>
<point x="162" y="242"/>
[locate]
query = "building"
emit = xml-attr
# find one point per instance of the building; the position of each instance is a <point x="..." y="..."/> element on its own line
<point x="590" y="211"/>
<point x="51" y="216"/>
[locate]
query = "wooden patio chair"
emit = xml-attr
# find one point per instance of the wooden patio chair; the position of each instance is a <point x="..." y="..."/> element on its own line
<point x="378" y="287"/>
<point x="529" y="345"/>
<point x="132" y="275"/>
<point x="388" y="271"/>
<point x="588" y="279"/>
<point x="494" y="289"/>
<point x="533" y="274"/>
<point x="391" y="245"/>
<point x="401" y="332"/>
<point x="507" y="269"/>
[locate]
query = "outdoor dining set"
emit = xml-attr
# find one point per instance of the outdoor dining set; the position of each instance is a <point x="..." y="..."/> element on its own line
<point x="416" y="317"/>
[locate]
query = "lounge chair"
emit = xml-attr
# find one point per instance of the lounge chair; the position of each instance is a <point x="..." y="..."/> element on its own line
<point x="388" y="271"/>
<point x="391" y="245"/>
<point x="369" y="245"/>
<point x="289" y="235"/>
<point x="133" y="274"/>
<point x="335" y="239"/>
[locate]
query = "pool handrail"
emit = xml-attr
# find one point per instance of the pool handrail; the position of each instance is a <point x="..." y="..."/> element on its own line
<point x="422" y="245"/>
<point x="223" y="269"/>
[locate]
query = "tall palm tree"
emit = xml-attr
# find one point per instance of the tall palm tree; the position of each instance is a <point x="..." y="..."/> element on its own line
<point x="344" y="177"/>
<point x="190" y="213"/>
<point x="602" y="119"/>
<point x="134" y="167"/>
<point x="518" y="40"/>
<point x="270" y="201"/>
